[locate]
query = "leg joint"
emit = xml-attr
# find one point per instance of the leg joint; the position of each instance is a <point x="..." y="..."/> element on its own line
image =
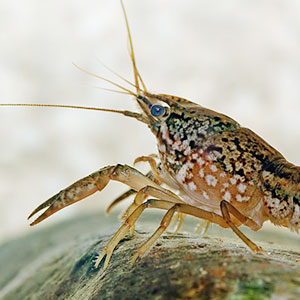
<point x="116" y="170"/>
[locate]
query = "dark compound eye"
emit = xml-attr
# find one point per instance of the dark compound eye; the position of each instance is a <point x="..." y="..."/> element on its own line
<point x="157" y="110"/>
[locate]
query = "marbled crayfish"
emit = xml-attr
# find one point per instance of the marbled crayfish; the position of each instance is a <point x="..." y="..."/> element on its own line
<point x="217" y="170"/>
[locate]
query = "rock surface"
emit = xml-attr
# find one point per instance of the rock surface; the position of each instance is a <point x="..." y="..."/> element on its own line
<point x="57" y="263"/>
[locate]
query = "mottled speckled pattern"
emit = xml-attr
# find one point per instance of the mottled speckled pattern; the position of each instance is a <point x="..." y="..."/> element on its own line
<point x="212" y="158"/>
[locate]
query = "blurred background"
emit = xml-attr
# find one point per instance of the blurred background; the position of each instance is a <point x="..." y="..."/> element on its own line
<point x="241" y="58"/>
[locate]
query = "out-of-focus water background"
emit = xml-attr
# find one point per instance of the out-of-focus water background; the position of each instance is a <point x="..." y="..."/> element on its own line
<point x="241" y="58"/>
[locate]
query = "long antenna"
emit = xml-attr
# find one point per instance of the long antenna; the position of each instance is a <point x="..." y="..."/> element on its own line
<point x="126" y="113"/>
<point x="124" y="90"/>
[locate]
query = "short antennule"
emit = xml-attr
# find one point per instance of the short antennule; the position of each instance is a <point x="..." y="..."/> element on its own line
<point x="129" y="92"/>
<point x="137" y="76"/>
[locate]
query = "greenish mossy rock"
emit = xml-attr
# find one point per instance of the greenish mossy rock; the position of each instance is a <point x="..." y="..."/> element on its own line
<point x="57" y="263"/>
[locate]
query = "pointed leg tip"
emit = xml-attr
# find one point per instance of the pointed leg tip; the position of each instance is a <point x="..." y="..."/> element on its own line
<point x="136" y="161"/>
<point x="38" y="220"/>
<point x="261" y="251"/>
<point x="134" y="258"/>
<point x="99" y="258"/>
<point x="97" y="262"/>
<point x="32" y="223"/>
<point x="30" y="216"/>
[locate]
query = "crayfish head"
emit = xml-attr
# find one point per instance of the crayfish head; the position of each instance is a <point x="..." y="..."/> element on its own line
<point x="157" y="108"/>
<point x="154" y="111"/>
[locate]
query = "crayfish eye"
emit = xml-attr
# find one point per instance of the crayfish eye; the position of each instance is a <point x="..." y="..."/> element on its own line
<point x="157" y="110"/>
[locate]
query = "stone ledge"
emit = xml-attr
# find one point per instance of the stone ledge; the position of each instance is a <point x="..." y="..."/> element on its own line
<point x="57" y="263"/>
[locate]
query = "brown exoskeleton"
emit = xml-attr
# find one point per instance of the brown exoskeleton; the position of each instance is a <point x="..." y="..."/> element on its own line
<point x="217" y="170"/>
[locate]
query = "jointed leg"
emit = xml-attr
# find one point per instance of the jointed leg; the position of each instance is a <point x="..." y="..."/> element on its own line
<point x="180" y="218"/>
<point x="180" y="208"/>
<point x="130" y="221"/>
<point x="141" y="196"/>
<point x="203" y="231"/>
<point x="227" y="209"/>
<point x="173" y="207"/>
<point x="152" y="162"/>
<point x="165" y="222"/>
<point x="89" y="185"/>
<point x="145" y="192"/>
<point x="122" y="197"/>
<point x="208" y="216"/>
<point x="130" y="192"/>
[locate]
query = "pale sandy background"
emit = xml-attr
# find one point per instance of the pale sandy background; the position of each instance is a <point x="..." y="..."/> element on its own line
<point x="239" y="57"/>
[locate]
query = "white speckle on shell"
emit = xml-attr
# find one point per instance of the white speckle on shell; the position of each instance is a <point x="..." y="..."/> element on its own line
<point x="189" y="175"/>
<point x="165" y="134"/>
<point x="232" y="180"/>
<point x="265" y="173"/>
<point x="90" y="186"/>
<point x="72" y="195"/>
<point x="227" y="196"/>
<point x="201" y="173"/>
<point x="213" y="168"/>
<point x="296" y="215"/>
<point x="210" y="156"/>
<point x="192" y="186"/>
<point x="187" y="151"/>
<point x="240" y="198"/>
<point x="183" y="173"/>
<point x="195" y="155"/>
<point x="205" y="195"/>
<point x="242" y="188"/>
<point x="162" y="148"/>
<point x="280" y="209"/>
<point x="200" y="161"/>
<point x="177" y="145"/>
<point x="211" y="180"/>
